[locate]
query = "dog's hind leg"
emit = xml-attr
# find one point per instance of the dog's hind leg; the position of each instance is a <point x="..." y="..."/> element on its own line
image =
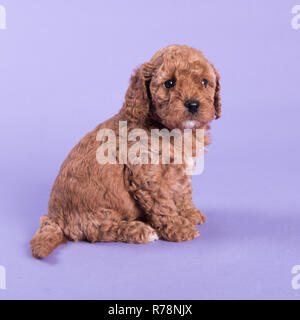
<point x="47" y="238"/>
<point x="110" y="229"/>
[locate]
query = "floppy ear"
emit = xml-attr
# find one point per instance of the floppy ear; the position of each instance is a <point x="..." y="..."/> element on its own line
<point x="137" y="100"/>
<point x="217" y="99"/>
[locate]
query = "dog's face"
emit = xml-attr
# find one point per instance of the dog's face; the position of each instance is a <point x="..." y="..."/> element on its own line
<point x="184" y="88"/>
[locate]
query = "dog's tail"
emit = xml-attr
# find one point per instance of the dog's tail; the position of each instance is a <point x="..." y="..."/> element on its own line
<point x="47" y="238"/>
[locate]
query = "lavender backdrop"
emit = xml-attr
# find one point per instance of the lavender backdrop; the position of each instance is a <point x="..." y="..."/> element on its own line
<point x="64" y="67"/>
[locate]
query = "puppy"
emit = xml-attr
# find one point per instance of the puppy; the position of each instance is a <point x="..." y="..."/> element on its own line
<point x="135" y="202"/>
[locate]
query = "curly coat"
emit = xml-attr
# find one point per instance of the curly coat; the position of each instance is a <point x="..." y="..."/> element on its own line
<point x="142" y="202"/>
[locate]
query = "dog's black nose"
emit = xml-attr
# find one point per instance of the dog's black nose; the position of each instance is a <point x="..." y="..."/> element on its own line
<point x="192" y="105"/>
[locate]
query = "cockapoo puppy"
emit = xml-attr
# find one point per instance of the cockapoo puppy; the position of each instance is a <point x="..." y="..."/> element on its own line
<point x="136" y="203"/>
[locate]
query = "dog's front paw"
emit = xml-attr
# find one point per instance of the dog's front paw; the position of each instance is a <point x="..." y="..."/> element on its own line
<point x="136" y="232"/>
<point x="196" y="216"/>
<point x="178" y="231"/>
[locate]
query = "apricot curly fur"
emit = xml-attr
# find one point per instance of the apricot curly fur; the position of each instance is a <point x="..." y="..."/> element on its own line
<point x="135" y="203"/>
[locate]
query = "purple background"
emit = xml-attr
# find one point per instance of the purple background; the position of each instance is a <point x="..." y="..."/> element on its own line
<point x="64" y="68"/>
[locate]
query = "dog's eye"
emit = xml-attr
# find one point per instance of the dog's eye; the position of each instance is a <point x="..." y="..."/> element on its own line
<point x="204" y="82"/>
<point x="170" y="83"/>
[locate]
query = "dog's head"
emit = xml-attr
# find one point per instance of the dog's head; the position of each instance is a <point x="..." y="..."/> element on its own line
<point x="178" y="88"/>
